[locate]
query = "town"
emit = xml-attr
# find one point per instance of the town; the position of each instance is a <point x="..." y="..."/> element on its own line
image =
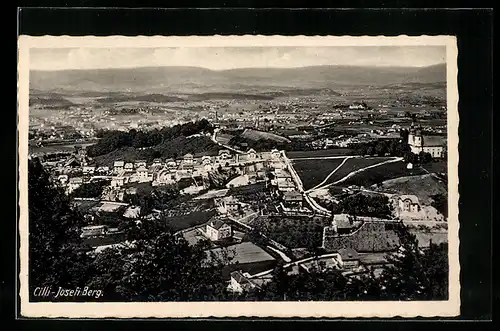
<point x="276" y="182"/>
<point x="242" y="201"/>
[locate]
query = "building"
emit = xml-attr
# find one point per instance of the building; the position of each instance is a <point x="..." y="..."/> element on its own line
<point x="63" y="179"/>
<point x="143" y="174"/>
<point x="188" y="158"/>
<point x="224" y="154"/>
<point x="292" y="199"/>
<point x="118" y="166"/>
<point x="275" y="154"/>
<point x="93" y="230"/>
<point x="128" y="166"/>
<point x="206" y="159"/>
<point x="252" y="154"/>
<point x="218" y="230"/>
<point x="165" y="176"/>
<point x="156" y="162"/>
<point x="343" y="223"/>
<point x="409" y="203"/>
<point x="171" y="164"/>
<point x="72" y="162"/>
<point x="239" y="283"/>
<point x="102" y="170"/>
<point x="140" y="163"/>
<point x="229" y="204"/>
<point x="117" y="181"/>
<point x="349" y="258"/>
<point x="88" y="170"/>
<point x="285" y="184"/>
<point x="74" y="183"/>
<point x="418" y="142"/>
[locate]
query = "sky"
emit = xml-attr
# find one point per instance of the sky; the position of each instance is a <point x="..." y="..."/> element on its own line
<point x="222" y="58"/>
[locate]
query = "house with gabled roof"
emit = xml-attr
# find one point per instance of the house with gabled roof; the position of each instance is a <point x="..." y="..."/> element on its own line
<point x="218" y="229"/>
<point x="239" y="283"/>
<point x="118" y="166"/>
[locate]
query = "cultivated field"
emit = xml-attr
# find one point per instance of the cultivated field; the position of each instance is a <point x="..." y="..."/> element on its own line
<point x="319" y="153"/>
<point x="260" y="135"/>
<point x="353" y="165"/>
<point x="377" y="175"/>
<point x="313" y="172"/>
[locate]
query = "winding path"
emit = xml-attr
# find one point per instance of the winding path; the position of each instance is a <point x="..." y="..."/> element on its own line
<point x="314" y="205"/>
<point x="329" y="175"/>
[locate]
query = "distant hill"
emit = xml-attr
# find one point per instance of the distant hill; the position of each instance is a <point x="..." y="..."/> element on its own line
<point x="200" y="80"/>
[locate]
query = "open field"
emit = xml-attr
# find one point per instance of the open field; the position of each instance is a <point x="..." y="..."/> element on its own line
<point x="377" y="175"/>
<point x="313" y="172"/>
<point x="261" y="135"/>
<point x="423" y="187"/>
<point x="437" y="166"/>
<point x="319" y="153"/>
<point x="355" y="164"/>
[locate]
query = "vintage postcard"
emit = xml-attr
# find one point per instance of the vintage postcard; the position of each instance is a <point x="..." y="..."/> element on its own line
<point x="238" y="176"/>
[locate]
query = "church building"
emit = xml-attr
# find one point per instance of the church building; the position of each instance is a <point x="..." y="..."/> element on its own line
<point x="418" y="142"/>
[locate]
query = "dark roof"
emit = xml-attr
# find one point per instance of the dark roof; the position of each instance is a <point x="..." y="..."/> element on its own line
<point x="292" y="196"/>
<point x="242" y="280"/>
<point x="429" y="141"/>
<point x="412" y="198"/>
<point x="343" y="221"/>
<point x="217" y="224"/>
<point x="348" y="254"/>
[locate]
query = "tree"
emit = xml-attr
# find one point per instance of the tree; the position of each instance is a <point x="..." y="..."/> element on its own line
<point x="55" y="256"/>
<point x="424" y="157"/>
<point x="367" y="205"/>
<point x="414" y="273"/>
<point x="90" y="190"/>
<point x="380" y="148"/>
<point x="440" y="202"/>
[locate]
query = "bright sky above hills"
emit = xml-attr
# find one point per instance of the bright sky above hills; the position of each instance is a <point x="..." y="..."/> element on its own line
<point x="221" y="58"/>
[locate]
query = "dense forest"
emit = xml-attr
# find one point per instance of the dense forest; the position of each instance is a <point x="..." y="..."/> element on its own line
<point x="114" y="140"/>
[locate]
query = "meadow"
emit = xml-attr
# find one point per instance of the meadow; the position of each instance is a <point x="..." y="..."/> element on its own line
<point x="313" y="172"/>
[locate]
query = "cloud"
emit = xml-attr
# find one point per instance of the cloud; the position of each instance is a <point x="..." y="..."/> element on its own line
<point x="220" y="58"/>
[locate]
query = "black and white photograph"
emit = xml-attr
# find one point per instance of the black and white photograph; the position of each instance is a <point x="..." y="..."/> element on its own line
<point x="238" y="176"/>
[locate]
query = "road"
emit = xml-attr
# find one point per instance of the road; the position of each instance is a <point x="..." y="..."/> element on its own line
<point x="355" y="172"/>
<point x="314" y="205"/>
<point x="329" y="175"/>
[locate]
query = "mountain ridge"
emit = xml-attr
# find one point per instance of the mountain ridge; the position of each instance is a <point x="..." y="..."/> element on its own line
<point x="178" y="79"/>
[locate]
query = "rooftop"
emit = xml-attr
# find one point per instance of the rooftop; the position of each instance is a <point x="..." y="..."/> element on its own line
<point x="410" y="197"/>
<point x="292" y="196"/>
<point x="348" y="254"/>
<point x="217" y="224"/>
<point x="246" y="252"/>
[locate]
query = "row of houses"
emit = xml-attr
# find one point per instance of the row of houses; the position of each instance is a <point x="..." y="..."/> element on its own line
<point x="347" y="260"/>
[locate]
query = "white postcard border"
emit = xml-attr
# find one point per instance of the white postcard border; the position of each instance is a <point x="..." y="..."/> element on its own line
<point x="346" y="309"/>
